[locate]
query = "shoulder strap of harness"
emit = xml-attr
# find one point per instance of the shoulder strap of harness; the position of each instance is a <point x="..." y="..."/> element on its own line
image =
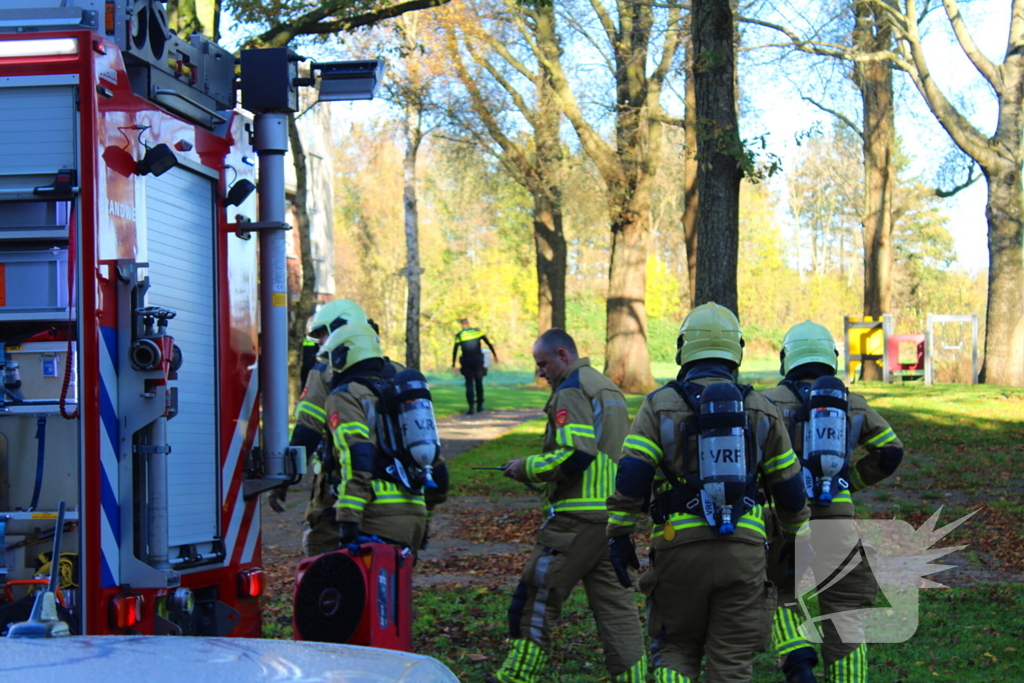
<point x="686" y="495"/>
<point x="802" y="391"/>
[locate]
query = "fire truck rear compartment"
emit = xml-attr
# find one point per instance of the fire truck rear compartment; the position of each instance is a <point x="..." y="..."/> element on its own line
<point x="39" y="449"/>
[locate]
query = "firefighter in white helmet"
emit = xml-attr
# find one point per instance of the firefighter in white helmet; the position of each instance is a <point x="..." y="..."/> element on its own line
<point x="808" y="355"/>
<point x="702" y="450"/>
<point x="367" y="502"/>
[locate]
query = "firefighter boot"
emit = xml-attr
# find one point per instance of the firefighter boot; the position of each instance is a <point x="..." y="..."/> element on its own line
<point x="853" y="668"/>
<point x="799" y="665"/>
<point x="523" y="664"/>
<point x="634" y="674"/>
<point x="666" y="675"/>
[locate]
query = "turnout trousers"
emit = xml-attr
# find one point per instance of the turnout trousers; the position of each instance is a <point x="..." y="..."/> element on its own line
<point x="567" y="552"/>
<point x="845" y="662"/>
<point x="708" y="599"/>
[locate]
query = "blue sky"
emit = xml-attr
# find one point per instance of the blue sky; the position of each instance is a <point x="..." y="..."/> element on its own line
<point x="778" y="110"/>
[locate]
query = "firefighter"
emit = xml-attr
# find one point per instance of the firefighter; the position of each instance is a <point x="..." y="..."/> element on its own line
<point x="310" y="416"/>
<point x="808" y="353"/>
<point x="587" y="422"/>
<point x="472" y="361"/>
<point x="367" y="502"/>
<point x="707" y="592"/>
<point x="311" y="422"/>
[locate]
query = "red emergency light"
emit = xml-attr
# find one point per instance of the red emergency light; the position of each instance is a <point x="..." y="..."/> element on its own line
<point x="126" y="610"/>
<point x="251" y="583"/>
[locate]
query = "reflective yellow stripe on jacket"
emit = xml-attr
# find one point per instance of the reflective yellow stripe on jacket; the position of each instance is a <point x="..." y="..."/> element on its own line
<point x="545" y="462"/>
<point x="318" y="414"/>
<point x="753" y="520"/>
<point x="598" y="479"/>
<point x="341" y="445"/>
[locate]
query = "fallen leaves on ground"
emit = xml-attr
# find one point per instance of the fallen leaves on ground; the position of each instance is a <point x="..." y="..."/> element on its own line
<point x="497" y="525"/>
<point x="489" y="565"/>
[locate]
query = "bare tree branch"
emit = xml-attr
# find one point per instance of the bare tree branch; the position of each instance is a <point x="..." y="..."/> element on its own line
<point x="316" y="21"/>
<point x="964" y="37"/>
<point x="985" y="67"/>
<point x="971" y="179"/>
<point x="839" y="115"/>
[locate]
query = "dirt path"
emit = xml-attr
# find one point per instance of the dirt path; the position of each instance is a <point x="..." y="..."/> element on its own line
<point x="282" y="533"/>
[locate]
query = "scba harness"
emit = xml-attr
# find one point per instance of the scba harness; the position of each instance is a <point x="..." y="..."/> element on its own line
<point x="829" y="436"/>
<point x="408" y="443"/>
<point x="725" y="487"/>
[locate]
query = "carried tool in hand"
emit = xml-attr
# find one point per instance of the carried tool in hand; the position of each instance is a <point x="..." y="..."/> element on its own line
<point x="532" y="487"/>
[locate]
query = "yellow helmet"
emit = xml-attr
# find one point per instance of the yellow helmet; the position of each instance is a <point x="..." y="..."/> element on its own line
<point x="333" y="315"/>
<point x="710" y="331"/>
<point x="350" y="344"/>
<point x="808" y="342"/>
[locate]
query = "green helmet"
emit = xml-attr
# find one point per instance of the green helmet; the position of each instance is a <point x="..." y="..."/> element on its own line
<point x="350" y="344"/>
<point x="333" y="315"/>
<point x="710" y="331"/>
<point x="808" y="342"/>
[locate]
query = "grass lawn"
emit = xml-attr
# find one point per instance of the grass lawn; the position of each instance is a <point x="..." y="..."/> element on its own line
<point x="968" y="635"/>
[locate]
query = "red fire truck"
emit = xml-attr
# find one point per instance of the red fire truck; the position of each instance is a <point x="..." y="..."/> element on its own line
<point x="142" y="321"/>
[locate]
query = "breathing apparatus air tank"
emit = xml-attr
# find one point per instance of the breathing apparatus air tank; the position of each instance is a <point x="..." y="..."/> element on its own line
<point x="723" y="458"/>
<point x="825" y="452"/>
<point x="410" y="405"/>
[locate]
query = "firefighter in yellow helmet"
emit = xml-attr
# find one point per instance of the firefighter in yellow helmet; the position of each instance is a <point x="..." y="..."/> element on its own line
<point x="366" y="501"/>
<point x="702" y="449"/>
<point x="310" y="417"/>
<point x="587" y="421"/>
<point x="311" y="423"/>
<point x="809" y="354"/>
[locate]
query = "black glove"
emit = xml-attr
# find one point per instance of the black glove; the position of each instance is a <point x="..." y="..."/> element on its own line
<point x="347" y="532"/>
<point x="276" y="496"/>
<point x="622" y="553"/>
<point x="787" y="558"/>
<point x="795" y="553"/>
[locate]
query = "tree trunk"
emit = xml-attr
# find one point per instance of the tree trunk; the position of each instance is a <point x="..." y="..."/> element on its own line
<point x="1004" y="327"/>
<point x="547" y="204"/>
<point x="186" y="17"/>
<point x="690" y="195"/>
<point x="413" y="271"/>
<point x="874" y="80"/>
<point x="303" y="307"/>
<point x="718" y="147"/>
<point x="549" y="241"/>
<point x="627" y="360"/>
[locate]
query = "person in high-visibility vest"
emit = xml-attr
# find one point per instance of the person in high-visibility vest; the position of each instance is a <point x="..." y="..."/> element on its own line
<point x="468" y="342"/>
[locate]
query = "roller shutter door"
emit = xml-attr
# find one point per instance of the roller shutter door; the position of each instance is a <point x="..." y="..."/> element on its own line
<point x="179" y="209"/>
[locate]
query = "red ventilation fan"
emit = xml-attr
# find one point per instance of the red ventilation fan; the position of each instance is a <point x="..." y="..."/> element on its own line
<point x="359" y="595"/>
